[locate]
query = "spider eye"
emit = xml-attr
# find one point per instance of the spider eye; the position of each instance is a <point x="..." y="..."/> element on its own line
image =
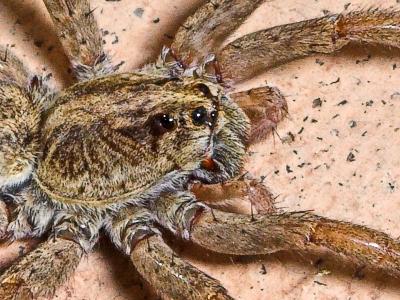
<point x="199" y="116"/>
<point x="163" y="123"/>
<point x="214" y="116"/>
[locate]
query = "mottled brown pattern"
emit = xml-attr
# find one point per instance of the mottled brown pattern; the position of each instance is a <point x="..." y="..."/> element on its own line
<point x="117" y="153"/>
<point x="109" y="121"/>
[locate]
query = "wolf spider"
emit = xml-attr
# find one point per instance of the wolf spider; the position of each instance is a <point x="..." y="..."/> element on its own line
<point x="130" y="154"/>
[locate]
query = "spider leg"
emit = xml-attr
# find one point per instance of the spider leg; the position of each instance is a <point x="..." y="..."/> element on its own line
<point x="11" y="69"/>
<point x="265" y="107"/>
<point x="207" y="28"/>
<point x="11" y="250"/>
<point x="41" y="271"/>
<point x="3" y="219"/>
<point x="22" y="100"/>
<point x="238" y="234"/>
<point x="31" y="217"/>
<point x="221" y="195"/>
<point x="80" y="36"/>
<point x="133" y="231"/>
<point x="165" y="271"/>
<point x="258" y="51"/>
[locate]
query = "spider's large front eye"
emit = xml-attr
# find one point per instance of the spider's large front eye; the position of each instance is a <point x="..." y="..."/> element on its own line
<point x="199" y="116"/>
<point x="163" y="123"/>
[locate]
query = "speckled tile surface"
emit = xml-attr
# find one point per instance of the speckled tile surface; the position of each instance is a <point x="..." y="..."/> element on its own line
<point x="344" y="161"/>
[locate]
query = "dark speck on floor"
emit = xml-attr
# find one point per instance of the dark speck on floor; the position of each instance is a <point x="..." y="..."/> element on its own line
<point x="263" y="270"/>
<point x="138" y="12"/>
<point x="352" y="124"/>
<point x="351" y="157"/>
<point x="319" y="62"/>
<point x="320" y="283"/>
<point x="336" y="81"/>
<point x="116" y="40"/>
<point x="21" y="251"/>
<point x="317" y="103"/>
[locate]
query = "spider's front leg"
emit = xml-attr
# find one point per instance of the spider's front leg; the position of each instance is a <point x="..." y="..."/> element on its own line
<point x="43" y="270"/>
<point x="80" y="36"/>
<point x="21" y="106"/>
<point x="237" y="234"/>
<point x="259" y="51"/>
<point x="134" y="232"/>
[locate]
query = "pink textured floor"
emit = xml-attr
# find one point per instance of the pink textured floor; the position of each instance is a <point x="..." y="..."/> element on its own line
<point x="311" y="172"/>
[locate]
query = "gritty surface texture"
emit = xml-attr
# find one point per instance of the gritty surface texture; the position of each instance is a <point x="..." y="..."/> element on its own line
<point x="339" y="155"/>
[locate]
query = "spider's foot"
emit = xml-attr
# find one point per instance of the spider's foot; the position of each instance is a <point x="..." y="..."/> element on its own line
<point x="181" y="209"/>
<point x="19" y="228"/>
<point x="130" y="227"/>
<point x="83" y="230"/>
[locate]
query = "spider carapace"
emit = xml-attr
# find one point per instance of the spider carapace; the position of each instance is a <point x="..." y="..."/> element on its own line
<point x="112" y="140"/>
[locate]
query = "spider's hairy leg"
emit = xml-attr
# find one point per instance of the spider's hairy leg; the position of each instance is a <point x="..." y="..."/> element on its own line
<point x="304" y="232"/>
<point x="31" y="218"/>
<point x="265" y="107"/>
<point x="265" y="49"/>
<point x="165" y="271"/>
<point x="21" y="106"/>
<point x="8" y="211"/>
<point x="44" y="269"/>
<point x="41" y="271"/>
<point x="20" y="114"/>
<point x="207" y="28"/>
<point x="12" y="69"/>
<point x="223" y="195"/>
<point x="80" y="36"/>
<point x="3" y="219"/>
<point x="134" y="232"/>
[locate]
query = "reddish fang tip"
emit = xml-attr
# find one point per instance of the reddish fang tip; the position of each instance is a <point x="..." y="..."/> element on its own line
<point x="208" y="164"/>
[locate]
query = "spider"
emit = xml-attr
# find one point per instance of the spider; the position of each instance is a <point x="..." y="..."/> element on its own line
<point x="131" y="153"/>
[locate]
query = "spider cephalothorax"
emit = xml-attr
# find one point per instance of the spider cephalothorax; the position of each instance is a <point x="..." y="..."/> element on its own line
<point x="110" y="140"/>
<point x="131" y="154"/>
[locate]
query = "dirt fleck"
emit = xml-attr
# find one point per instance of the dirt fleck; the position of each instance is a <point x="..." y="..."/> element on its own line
<point x="138" y="12"/>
